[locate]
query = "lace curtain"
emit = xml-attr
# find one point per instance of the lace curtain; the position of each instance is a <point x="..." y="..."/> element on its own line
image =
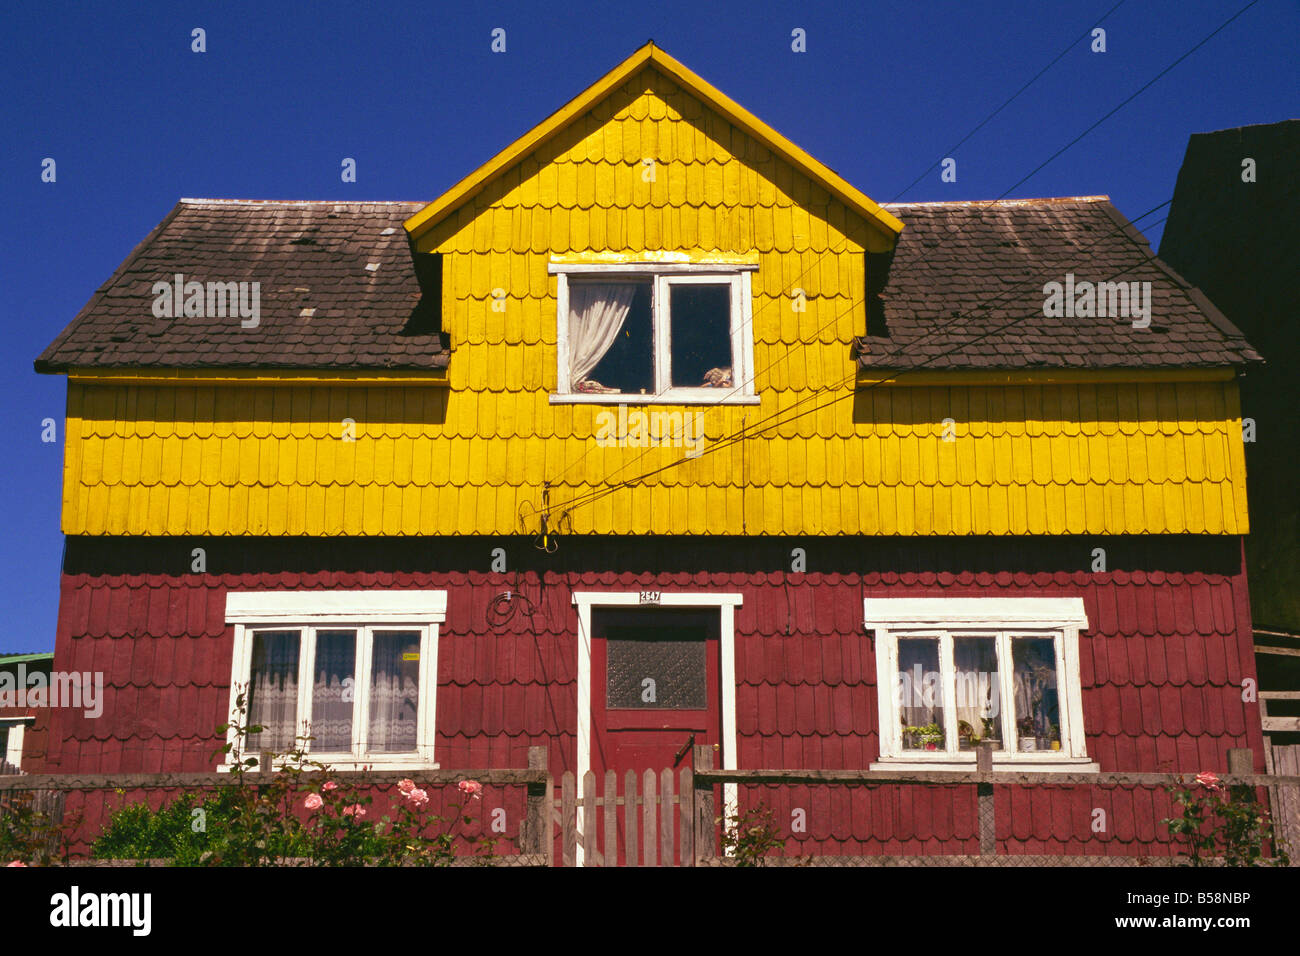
<point x="333" y="691"/>
<point x="596" y="314"/>
<point x="394" y="691"/>
<point x="975" y="660"/>
<point x="273" y="690"/>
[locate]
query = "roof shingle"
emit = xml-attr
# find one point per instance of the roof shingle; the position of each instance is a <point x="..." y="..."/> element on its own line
<point x="965" y="291"/>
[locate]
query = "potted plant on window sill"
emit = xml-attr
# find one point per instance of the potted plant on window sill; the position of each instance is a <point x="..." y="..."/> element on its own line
<point x="927" y="737"/>
<point x="1028" y="742"/>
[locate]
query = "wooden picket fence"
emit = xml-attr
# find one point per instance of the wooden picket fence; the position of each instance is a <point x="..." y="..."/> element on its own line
<point x="664" y="818"/>
<point x="670" y="817"/>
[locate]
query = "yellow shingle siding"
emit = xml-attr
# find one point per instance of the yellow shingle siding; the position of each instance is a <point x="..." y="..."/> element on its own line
<point x="477" y="457"/>
<point x="270" y="460"/>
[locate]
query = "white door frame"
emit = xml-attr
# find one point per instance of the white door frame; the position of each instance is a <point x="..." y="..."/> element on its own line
<point x="726" y="603"/>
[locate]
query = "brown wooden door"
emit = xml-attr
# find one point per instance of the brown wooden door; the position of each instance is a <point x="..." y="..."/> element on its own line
<point x="654" y="685"/>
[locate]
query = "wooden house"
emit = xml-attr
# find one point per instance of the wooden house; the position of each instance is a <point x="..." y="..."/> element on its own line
<point x="654" y="430"/>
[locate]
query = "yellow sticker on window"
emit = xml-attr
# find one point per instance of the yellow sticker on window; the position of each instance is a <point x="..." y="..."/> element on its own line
<point x="409" y="656"/>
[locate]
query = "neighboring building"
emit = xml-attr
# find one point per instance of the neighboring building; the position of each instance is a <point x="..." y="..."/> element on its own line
<point x="24" y="728"/>
<point x="417" y="502"/>
<point x="1232" y="231"/>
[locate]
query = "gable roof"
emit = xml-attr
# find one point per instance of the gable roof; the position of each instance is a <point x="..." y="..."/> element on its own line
<point x="651" y="56"/>
<point x="337" y="290"/>
<point x="965" y="291"/>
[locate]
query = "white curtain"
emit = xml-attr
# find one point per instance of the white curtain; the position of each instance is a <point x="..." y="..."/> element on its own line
<point x="596" y="314"/>
<point x="975" y="661"/>
<point x="394" y="691"/>
<point x="333" y="691"/>
<point x="273" y="691"/>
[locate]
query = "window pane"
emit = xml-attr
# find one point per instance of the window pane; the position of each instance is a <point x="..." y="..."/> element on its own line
<point x="333" y="691"/>
<point x="701" y="335"/>
<point x="394" y="691"/>
<point x="4" y="747"/>
<point x="651" y="669"/>
<point x="611" y="338"/>
<point x="273" y="691"/>
<point x="1038" y="721"/>
<point x="975" y="660"/>
<point x="920" y="694"/>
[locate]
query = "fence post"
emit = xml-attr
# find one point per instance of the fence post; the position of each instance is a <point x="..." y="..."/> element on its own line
<point x="541" y="805"/>
<point x="704" y="832"/>
<point x="987" y="817"/>
<point x="1241" y="760"/>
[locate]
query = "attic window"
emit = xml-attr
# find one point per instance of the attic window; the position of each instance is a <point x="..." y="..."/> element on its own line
<point x="642" y="332"/>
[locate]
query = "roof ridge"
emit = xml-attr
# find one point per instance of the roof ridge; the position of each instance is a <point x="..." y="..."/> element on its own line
<point x="200" y="201"/>
<point x="999" y="202"/>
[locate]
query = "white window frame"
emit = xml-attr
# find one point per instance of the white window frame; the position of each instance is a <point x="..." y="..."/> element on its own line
<point x="13" y="754"/>
<point x="664" y="276"/>
<point x="948" y="619"/>
<point x="365" y="612"/>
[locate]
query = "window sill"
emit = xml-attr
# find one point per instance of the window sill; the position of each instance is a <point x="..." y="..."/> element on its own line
<point x="387" y="762"/>
<point x="695" y="398"/>
<point x="1004" y="763"/>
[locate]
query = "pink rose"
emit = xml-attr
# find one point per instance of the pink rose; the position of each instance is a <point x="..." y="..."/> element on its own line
<point x="418" y="797"/>
<point x="313" y="801"/>
<point x="330" y="785"/>
<point x="1209" y="779"/>
<point x="406" y="786"/>
<point x="471" y="788"/>
<point x="15" y="863"/>
<point x="355" y="810"/>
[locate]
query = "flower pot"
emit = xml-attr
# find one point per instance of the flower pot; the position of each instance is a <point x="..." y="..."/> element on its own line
<point x="1028" y="744"/>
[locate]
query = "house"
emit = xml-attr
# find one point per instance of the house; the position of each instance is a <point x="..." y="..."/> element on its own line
<point x="24" y="717"/>
<point x="654" y="430"/>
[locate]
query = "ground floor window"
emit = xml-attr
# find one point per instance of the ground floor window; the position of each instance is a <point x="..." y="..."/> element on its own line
<point x="956" y="672"/>
<point x="355" y="674"/>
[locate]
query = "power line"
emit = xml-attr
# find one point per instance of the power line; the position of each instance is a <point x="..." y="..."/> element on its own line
<point x="924" y="263"/>
<point x="1020" y="182"/>
<point x="750" y="430"/>
<point x="844" y="244"/>
<point x="986" y="120"/>
<point x="591" y="497"/>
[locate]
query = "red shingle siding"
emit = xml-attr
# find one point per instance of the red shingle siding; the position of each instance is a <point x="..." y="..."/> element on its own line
<point x="1162" y="666"/>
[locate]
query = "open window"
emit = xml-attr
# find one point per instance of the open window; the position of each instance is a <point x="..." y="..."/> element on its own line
<point x="355" y="672"/>
<point x="955" y="672"/>
<point x="661" y="332"/>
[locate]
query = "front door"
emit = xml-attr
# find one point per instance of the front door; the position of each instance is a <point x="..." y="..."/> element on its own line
<point x="655" y="683"/>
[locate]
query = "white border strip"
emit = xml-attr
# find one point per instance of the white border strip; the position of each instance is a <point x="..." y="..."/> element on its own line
<point x="327" y="606"/>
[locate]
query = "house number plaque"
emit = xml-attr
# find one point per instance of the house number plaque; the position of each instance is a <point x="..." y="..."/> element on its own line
<point x="650" y="597"/>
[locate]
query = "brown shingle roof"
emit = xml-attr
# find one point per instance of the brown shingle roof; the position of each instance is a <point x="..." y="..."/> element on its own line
<point x="960" y="273"/>
<point x="965" y="291"/>
<point x="305" y="255"/>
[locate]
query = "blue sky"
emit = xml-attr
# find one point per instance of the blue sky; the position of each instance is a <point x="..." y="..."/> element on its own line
<point x="135" y="120"/>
